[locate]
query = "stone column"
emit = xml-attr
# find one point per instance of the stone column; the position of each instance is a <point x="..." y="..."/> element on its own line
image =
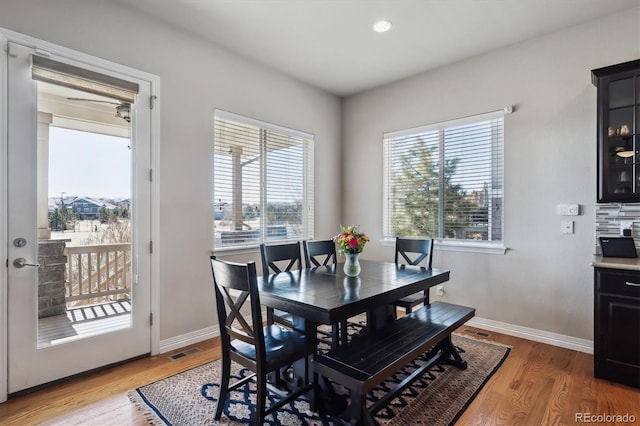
<point x="51" y="279"/>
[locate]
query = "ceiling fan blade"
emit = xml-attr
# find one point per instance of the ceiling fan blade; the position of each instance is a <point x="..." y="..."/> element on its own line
<point x="123" y="109"/>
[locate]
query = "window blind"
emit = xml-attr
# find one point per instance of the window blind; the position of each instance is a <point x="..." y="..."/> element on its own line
<point x="446" y="180"/>
<point x="263" y="182"/>
<point x="50" y="71"/>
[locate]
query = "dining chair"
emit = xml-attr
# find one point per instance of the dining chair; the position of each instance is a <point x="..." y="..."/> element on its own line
<point x="275" y="259"/>
<point x="262" y="350"/>
<point x="323" y="253"/>
<point x="416" y="252"/>
<point x="319" y="253"/>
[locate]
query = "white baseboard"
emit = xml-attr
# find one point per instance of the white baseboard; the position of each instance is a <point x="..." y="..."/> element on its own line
<point x="187" y="339"/>
<point x="554" y="339"/>
<point x="177" y="342"/>
<point x="560" y="340"/>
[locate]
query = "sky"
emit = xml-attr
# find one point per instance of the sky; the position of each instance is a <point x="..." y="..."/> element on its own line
<point x="88" y="164"/>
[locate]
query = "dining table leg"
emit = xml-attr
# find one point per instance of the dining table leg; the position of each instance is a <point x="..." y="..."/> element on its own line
<point x="323" y="399"/>
<point x="380" y="316"/>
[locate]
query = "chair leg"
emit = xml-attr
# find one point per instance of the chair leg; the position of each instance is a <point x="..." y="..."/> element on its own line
<point x="407" y="310"/>
<point x="335" y="335"/>
<point x="344" y="333"/>
<point x="270" y="316"/>
<point x="224" y="386"/>
<point x="261" y="400"/>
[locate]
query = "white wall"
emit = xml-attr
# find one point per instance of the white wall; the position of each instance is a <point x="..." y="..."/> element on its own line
<point x="195" y="78"/>
<point x="544" y="281"/>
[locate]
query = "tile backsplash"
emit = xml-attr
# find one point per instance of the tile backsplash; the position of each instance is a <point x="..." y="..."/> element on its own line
<point x="609" y="216"/>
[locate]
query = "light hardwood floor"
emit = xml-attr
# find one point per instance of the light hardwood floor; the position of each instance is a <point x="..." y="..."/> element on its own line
<point x="538" y="384"/>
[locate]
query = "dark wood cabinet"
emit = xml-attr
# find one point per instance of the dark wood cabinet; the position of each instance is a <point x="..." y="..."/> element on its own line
<point x="618" y="105"/>
<point x="617" y="326"/>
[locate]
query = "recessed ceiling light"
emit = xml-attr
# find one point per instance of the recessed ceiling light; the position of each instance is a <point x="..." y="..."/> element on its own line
<point x="382" y="26"/>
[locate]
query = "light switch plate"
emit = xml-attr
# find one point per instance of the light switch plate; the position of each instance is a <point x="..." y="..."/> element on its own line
<point x="568" y="209"/>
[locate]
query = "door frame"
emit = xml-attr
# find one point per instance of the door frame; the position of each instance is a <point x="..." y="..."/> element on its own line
<point x="89" y="60"/>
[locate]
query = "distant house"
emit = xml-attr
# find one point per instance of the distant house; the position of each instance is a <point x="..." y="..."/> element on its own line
<point x="89" y="208"/>
<point x="123" y="204"/>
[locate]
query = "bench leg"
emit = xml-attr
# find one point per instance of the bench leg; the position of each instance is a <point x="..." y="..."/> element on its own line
<point x="450" y="354"/>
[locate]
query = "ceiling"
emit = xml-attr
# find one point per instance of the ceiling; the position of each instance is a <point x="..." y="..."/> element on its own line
<point x="330" y="44"/>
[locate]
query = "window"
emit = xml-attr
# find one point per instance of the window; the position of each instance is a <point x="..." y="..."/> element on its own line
<point x="445" y="181"/>
<point x="263" y="182"/>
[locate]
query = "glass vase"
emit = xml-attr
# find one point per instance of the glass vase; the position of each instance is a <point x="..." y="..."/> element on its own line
<point x="352" y="264"/>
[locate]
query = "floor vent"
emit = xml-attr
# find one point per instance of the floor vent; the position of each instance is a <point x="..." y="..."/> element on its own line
<point x="475" y="332"/>
<point x="184" y="353"/>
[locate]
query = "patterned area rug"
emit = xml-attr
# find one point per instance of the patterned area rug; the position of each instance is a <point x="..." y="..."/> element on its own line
<point x="439" y="397"/>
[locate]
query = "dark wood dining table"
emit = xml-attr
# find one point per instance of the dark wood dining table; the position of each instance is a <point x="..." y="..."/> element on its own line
<point x="325" y="295"/>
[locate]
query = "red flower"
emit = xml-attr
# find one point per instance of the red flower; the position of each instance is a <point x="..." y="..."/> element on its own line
<point x="353" y="242"/>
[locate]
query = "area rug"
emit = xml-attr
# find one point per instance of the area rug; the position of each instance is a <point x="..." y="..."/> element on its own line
<point x="439" y="397"/>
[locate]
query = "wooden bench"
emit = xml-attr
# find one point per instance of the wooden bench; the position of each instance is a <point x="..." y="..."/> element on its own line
<point x="368" y="360"/>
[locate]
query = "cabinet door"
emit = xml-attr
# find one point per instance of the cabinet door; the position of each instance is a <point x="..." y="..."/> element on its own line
<point x="618" y="132"/>
<point x="617" y="356"/>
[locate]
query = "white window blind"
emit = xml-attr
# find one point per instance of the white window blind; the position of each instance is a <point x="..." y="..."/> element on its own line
<point x="61" y="74"/>
<point x="263" y="182"/>
<point x="446" y="180"/>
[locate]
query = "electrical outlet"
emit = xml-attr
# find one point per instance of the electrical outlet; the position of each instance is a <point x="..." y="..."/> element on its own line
<point x="440" y="290"/>
<point x="626" y="228"/>
<point x="566" y="227"/>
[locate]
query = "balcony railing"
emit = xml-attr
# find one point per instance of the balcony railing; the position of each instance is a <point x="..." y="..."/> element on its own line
<point x="97" y="273"/>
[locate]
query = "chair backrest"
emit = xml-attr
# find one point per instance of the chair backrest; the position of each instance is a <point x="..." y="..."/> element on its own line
<point x="280" y="258"/>
<point x="414" y="251"/>
<point x="319" y="253"/>
<point x="235" y="283"/>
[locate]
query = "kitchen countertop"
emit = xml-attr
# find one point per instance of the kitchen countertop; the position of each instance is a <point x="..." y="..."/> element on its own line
<point x="630" y="264"/>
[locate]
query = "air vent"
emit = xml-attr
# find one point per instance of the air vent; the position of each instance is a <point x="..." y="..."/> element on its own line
<point x="188" y="352"/>
<point x="476" y="333"/>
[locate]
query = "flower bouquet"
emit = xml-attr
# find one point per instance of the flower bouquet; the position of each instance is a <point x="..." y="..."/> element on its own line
<point x="350" y="239"/>
<point x="351" y="242"/>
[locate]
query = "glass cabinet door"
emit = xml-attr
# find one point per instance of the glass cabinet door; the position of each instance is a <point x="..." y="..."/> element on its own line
<point x="618" y="134"/>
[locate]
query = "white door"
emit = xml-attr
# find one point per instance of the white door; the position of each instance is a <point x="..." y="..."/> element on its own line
<point x="78" y="299"/>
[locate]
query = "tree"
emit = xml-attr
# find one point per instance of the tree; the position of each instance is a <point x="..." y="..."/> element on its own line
<point x="103" y="214"/>
<point x="55" y="220"/>
<point x="60" y="218"/>
<point x="416" y="195"/>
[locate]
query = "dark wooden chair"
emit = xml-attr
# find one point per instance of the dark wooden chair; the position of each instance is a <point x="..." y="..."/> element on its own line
<point x="319" y="253"/>
<point x="417" y="252"/>
<point x="323" y="253"/>
<point x="262" y="350"/>
<point x="275" y="259"/>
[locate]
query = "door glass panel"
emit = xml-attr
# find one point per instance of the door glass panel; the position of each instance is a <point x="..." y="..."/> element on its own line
<point x="84" y="210"/>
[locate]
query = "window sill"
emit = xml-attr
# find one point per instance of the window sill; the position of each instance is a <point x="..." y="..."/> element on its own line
<point x="236" y="250"/>
<point x="463" y="246"/>
<point x="248" y="248"/>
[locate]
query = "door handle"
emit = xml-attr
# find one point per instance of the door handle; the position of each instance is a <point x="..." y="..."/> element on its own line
<point x="21" y="262"/>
